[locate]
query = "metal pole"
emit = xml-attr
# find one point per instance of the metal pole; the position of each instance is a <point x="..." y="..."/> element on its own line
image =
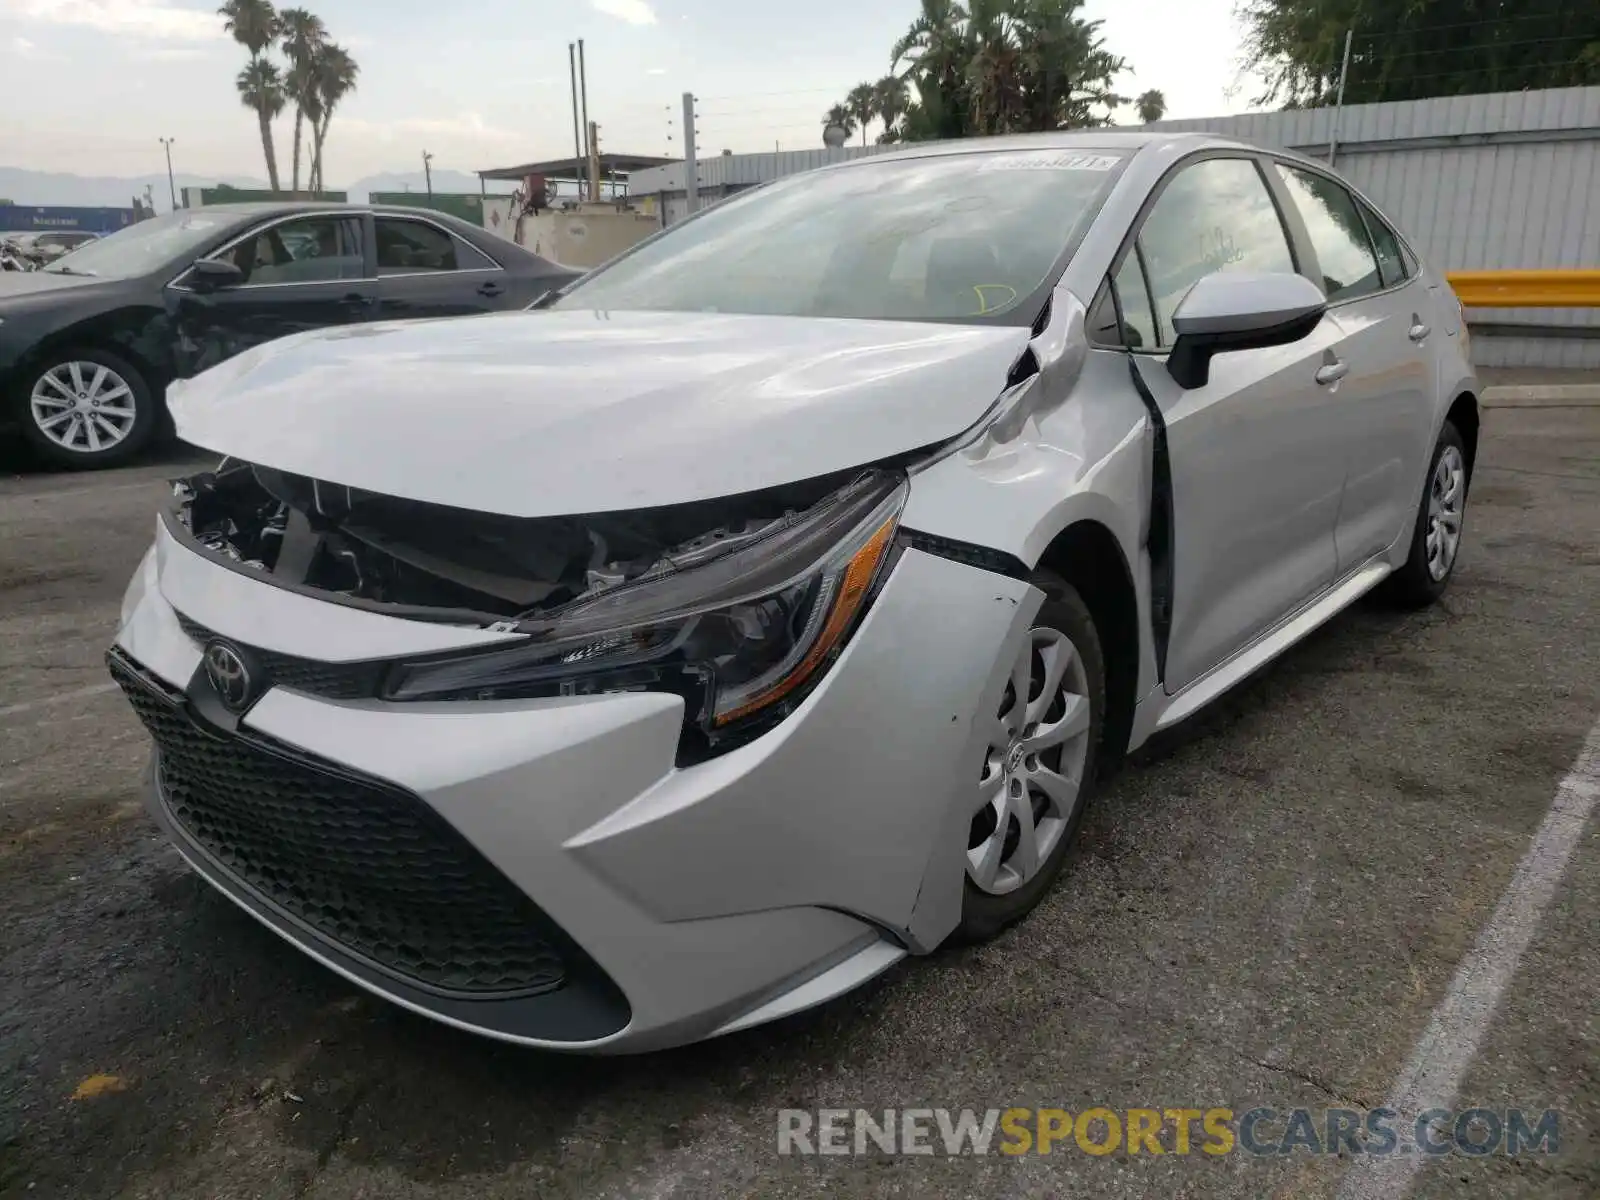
<point x="577" y="138"/>
<point x="1338" y="104"/>
<point x="691" y="169"/>
<point x="172" y="187"/>
<point x="427" y="171"/>
<point x="594" y="163"/>
<point x="583" y="97"/>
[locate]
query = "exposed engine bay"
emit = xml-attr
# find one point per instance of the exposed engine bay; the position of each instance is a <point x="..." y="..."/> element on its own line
<point x="469" y="566"/>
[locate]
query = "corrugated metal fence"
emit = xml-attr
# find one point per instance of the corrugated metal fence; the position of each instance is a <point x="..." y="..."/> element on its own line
<point x="1493" y="182"/>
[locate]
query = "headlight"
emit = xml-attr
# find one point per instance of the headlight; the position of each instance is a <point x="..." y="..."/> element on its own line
<point x="741" y="637"/>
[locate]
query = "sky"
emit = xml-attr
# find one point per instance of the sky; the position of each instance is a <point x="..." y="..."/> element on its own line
<point x="89" y="86"/>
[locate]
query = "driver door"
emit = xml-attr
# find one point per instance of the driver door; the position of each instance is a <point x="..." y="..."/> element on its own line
<point x="1256" y="474"/>
<point x="302" y="273"/>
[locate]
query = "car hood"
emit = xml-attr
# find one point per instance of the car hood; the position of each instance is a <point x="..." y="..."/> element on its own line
<point x="554" y="412"/>
<point x="15" y="285"/>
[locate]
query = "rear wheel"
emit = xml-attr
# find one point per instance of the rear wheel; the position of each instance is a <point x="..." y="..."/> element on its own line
<point x="1038" y="767"/>
<point x="84" y="408"/>
<point x="1436" y="540"/>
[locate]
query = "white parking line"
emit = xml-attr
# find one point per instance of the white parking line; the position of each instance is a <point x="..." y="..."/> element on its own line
<point x="1447" y="1047"/>
<point x="12" y="710"/>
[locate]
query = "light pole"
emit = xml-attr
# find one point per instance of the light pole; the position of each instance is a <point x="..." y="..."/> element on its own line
<point x="427" y="171"/>
<point x="172" y="187"/>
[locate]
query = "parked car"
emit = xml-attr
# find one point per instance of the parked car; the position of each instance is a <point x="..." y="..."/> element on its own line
<point x="89" y="344"/>
<point x="764" y="607"/>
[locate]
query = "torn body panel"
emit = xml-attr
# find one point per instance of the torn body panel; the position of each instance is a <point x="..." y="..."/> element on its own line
<point x="366" y="546"/>
<point x="1070" y="444"/>
<point x="738" y="605"/>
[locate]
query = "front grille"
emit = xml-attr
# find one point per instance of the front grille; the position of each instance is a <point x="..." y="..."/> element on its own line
<point x="362" y="863"/>
<point x="332" y="681"/>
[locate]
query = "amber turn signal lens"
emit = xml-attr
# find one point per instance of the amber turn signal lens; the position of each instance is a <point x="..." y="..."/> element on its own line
<point x="847" y="603"/>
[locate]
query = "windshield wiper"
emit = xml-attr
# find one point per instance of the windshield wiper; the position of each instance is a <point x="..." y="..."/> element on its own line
<point x="69" y="271"/>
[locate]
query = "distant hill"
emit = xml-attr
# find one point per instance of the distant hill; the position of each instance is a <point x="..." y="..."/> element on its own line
<point x="415" y="181"/>
<point x="22" y="186"/>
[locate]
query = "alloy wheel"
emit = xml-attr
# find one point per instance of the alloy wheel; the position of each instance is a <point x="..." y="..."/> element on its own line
<point x="84" y="407"/>
<point x="1032" y="775"/>
<point x="1447" y="501"/>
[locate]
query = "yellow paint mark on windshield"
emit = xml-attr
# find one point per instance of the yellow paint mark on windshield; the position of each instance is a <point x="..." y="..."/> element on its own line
<point x="984" y="306"/>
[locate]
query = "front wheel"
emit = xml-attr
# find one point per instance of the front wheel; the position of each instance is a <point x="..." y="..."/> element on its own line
<point x="1038" y="767"/>
<point x="1436" y="540"/>
<point x="85" y="408"/>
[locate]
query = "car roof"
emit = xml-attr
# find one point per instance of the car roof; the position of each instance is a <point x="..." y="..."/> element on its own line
<point x="262" y="208"/>
<point x="1122" y="141"/>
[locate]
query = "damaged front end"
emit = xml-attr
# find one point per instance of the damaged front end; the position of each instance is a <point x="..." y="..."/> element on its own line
<point x="737" y="605"/>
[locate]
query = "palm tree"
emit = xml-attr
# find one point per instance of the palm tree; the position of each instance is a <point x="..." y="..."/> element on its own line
<point x="863" y="105"/>
<point x="839" y="115"/>
<point x="998" y="67"/>
<point x="1152" y="106"/>
<point x="303" y="34"/>
<point x="254" y="25"/>
<point x="890" y="99"/>
<point x="1068" y="70"/>
<point x="336" y="73"/>
<point x="936" y="53"/>
<point x="261" y="89"/>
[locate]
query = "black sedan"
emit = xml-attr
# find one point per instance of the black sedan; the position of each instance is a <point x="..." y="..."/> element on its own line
<point x="89" y="343"/>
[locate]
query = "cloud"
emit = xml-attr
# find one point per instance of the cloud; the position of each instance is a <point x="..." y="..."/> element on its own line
<point x="468" y="126"/>
<point x="168" y="53"/>
<point x="634" y="12"/>
<point x="22" y="47"/>
<point x="138" y="18"/>
<point x="656" y="71"/>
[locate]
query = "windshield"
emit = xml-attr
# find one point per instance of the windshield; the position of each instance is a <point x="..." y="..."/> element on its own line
<point x="142" y="247"/>
<point x="967" y="237"/>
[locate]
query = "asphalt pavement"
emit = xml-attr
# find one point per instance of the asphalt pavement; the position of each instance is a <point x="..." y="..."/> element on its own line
<point x="1266" y="909"/>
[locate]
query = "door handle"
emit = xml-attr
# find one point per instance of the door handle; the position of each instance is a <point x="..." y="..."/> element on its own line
<point x="490" y="288"/>
<point x="1418" y="330"/>
<point x="354" y="300"/>
<point x="1332" y="372"/>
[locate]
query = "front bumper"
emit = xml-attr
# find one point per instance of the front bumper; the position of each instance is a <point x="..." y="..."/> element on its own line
<point x="539" y="870"/>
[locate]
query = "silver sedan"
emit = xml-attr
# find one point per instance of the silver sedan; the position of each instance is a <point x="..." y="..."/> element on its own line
<point x="764" y="608"/>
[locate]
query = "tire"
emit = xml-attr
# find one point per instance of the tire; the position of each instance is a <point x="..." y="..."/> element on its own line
<point x="121" y="412"/>
<point x="1419" y="582"/>
<point x="987" y="911"/>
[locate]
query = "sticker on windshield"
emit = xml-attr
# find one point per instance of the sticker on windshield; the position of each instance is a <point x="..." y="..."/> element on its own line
<point x="1052" y="161"/>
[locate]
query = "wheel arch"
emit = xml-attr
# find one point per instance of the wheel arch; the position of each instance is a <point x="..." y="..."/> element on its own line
<point x="133" y="333"/>
<point x="1464" y="415"/>
<point x="1088" y="555"/>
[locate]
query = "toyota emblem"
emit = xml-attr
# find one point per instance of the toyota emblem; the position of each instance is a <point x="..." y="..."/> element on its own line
<point x="225" y="668"/>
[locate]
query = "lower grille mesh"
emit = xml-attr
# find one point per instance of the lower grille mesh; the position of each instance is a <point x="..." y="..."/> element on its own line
<point x="365" y="864"/>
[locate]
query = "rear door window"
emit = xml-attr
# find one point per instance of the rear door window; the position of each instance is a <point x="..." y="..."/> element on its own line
<point x="408" y="247"/>
<point x="1338" y="234"/>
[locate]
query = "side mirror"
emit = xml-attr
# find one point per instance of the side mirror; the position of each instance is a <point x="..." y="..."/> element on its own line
<point x="1239" y="310"/>
<point x="212" y="274"/>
